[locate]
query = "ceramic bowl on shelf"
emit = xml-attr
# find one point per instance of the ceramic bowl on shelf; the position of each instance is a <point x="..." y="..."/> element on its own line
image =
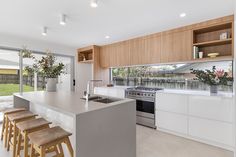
<point x="213" y="55"/>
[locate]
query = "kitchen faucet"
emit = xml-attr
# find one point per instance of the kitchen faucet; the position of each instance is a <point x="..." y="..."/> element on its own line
<point x="87" y="92"/>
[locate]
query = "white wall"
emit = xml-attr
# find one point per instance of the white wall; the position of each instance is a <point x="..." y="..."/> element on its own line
<point x="83" y="74"/>
<point x="13" y="41"/>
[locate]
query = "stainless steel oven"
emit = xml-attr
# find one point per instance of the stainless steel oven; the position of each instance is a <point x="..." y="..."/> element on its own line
<point x="145" y="104"/>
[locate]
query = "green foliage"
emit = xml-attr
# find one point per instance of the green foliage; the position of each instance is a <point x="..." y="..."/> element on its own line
<point x="212" y="77"/>
<point x="49" y="68"/>
<point x="46" y="66"/>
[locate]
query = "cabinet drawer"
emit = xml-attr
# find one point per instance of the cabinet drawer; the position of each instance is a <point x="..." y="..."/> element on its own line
<point x="171" y="121"/>
<point x="216" y="108"/>
<point x="172" y="102"/>
<point x="211" y="130"/>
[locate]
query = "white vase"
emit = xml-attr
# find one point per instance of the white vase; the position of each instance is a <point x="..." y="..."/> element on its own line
<point x="213" y="89"/>
<point x="51" y="85"/>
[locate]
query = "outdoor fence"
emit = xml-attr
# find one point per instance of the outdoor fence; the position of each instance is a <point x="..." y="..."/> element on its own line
<point x="168" y="83"/>
<point x="27" y="80"/>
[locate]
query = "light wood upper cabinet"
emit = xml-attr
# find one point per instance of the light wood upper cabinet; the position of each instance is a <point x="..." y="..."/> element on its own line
<point x="152" y="53"/>
<point x="137" y="51"/>
<point x="182" y="46"/>
<point x="176" y="46"/>
<point x="166" y="47"/>
<point x="105" y="57"/>
<point x="122" y="53"/>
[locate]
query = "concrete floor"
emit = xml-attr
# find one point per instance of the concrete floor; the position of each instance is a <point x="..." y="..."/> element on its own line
<point x="152" y="143"/>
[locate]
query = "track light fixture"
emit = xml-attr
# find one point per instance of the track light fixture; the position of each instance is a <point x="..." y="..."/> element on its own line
<point x="63" y="19"/>
<point x="45" y="31"/>
<point x="94" y="3"/>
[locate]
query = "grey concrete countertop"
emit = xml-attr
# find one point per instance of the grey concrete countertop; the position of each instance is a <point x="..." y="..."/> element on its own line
<point x="66" y="102"/>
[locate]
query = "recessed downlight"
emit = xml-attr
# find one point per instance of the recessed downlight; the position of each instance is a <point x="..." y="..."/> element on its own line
<point x="107" y="37"/>
<point x="94" y="3"/>
<point x="45" y="31"/>
<point x="182" y="15"/>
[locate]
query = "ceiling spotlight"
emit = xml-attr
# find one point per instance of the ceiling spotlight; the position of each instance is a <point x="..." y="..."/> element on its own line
<point x="63" y="20"/>
<point x="182" y="15"/>
<point x="107" y="37"/>
<point x="94" y="3"/>
<point x="45" y="31"/>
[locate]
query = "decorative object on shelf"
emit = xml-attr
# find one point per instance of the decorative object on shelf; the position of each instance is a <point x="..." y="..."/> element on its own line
<point x="200" y="54"/>
<point x="213" y="78"/>
<point x="213" y="55"/>
<point x="50" y="70"/>
<point x="110" y="85"/>
<point x="224" y="36"/>
<point x="195" y="52"/>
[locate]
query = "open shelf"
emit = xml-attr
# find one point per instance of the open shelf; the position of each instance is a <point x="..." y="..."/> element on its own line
<point x="214" y="42"/>
<point x="207" y="40"/>
<point x="85" y="55"/>
<point x="86" y="61"/>
<point x="219" y="58"/>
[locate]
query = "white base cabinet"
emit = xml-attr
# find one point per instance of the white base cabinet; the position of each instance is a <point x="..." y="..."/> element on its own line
<point x="172" y="121"/>
<point x="208" y="119"/>
<point x="117" y="92"/>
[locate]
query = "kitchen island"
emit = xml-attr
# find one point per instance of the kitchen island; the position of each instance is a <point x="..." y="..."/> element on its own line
<point x="99" y="129"/>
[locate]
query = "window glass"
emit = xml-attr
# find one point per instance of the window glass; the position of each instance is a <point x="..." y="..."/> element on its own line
<point x="172" y="76"/>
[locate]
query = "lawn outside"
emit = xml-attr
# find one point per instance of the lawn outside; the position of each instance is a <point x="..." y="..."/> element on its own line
<point x="9" y="89"/>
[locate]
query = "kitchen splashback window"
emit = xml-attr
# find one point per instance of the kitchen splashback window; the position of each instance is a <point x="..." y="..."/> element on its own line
<point x="173" y="76"/>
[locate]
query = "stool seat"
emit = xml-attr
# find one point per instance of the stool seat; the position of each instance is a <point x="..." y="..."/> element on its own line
<point x="21" y="115"/>
<point x="32" y="124"/>
<point x="47" y="136"/>
<point x="13" y="110"/>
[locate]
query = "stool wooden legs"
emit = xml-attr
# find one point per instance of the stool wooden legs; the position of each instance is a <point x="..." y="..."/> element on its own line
<point x="61" y="150"/>
<point x="6" y="132"/>
<point x="9" y="137"/>
<point x="42" y="150"/>
<point x="14" y="139"/>
<point x="68" y="144"/>
<point x="32" y="154"/>
<point x="3" y="126"/>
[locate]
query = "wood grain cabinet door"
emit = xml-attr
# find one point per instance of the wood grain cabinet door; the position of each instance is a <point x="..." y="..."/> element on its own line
<point x="152" y="53"/>
<point x="182" y="46"/>
<point x="176" y="46"/>
<point x="137" y="49"/>
<point x="166" y="47"/>
<point x="123" y="53"/>
<point x="107" y="56"/>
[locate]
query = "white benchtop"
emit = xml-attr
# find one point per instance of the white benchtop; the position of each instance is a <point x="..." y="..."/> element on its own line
<point x="197" y="93"/>
<point x="178" y="91"/>
<point x="65" y="102"/>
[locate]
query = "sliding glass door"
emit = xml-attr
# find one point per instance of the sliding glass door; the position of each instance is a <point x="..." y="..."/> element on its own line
<point x="16" y="75"/>
<point x="9" y="78"/>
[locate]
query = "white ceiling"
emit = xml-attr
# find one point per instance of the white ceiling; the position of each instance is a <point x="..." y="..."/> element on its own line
<point x="120" y="19"/>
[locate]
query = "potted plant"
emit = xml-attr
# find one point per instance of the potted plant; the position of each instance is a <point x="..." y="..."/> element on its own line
<point x="213" y="78"/>
<point x="50" y="70"/>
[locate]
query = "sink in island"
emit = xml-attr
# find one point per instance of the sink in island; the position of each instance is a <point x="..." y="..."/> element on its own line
<point x="99" y="129"/>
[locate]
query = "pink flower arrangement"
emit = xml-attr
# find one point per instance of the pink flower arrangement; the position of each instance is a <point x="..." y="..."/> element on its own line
<point x="219" y="73"/>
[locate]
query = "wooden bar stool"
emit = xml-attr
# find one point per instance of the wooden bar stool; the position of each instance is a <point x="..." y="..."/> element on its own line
<point x="13" y="119"/>
<point x="27" y="127"/>
<point x="42" y="141"/>
<point x="5" y="124"/>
